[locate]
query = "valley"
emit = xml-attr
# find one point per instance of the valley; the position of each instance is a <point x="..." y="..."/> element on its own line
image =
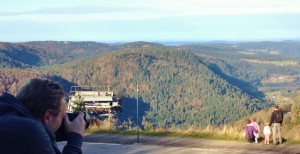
<point x="180" y="86"/>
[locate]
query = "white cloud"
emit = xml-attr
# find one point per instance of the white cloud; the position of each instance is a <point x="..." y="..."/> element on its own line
<point x="145" y="9"/>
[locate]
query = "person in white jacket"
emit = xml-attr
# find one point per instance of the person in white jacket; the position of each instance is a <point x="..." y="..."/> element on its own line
<point x="267" y="132"/>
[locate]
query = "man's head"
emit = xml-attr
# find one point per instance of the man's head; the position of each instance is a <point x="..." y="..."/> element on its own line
<point x="276" y="107"/>
<point x="45" y="100"/>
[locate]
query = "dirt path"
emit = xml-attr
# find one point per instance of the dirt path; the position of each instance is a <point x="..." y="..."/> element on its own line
<point x="190" y="142"/>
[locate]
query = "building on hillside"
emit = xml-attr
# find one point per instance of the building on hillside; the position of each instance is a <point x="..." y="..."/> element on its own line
<point x="94" y="100"/>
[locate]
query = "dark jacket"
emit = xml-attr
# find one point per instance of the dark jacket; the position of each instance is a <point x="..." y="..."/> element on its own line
<point x="274" y="119"/>
<point x="21" y="132"/>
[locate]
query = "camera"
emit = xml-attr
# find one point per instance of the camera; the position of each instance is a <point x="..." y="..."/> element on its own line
<point x="61" y="134"/>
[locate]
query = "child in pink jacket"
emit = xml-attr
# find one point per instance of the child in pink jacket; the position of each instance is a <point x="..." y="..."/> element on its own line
<point x="256" y="126"/>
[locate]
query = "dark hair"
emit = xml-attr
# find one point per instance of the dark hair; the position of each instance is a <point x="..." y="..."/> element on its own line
<point x="249" y="121"/>
<point x="39" y="95"/>
<point x="276" y="107"/>
<point x="253" y="119"/>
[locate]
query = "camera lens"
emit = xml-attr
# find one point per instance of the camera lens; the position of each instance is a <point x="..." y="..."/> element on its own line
<point x="87" y="118"/>
<point x="61" y="134"/>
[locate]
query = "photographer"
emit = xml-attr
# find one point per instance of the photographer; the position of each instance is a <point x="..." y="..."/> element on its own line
<point x="29" y="120"/>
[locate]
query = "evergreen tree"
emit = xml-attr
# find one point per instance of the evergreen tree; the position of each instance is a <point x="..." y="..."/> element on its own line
<point x="78" y="104"/>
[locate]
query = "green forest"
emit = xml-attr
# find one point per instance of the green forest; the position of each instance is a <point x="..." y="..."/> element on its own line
<point x="179" y="86"/>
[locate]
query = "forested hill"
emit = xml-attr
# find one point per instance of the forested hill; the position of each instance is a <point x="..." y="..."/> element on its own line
<point x="175" y="87"/>
<point x="44" y="53"/>
<point x="26" y="55"/>
<point x="190" y="85"/>
<point x="247" y="69"/>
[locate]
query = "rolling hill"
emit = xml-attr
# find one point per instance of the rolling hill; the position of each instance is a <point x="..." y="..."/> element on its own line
<point x="184" y="86"/>
<point x="176" y="87"/>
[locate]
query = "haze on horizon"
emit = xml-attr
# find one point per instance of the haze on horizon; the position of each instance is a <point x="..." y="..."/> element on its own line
<point x="155" y="20"/>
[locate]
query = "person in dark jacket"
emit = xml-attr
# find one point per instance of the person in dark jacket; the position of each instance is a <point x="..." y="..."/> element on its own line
<point x="276" y="122"/>
<point x="29" y="120"/>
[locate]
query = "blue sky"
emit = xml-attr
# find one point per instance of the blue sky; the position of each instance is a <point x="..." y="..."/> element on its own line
<point x="149" y="20"/>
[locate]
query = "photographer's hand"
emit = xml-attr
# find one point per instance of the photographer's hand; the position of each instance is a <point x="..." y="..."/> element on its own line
<point x="77" y="125"/>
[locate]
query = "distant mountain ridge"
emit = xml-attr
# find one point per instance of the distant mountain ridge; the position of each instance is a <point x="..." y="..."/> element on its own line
<point x="43" y="53"/>
<point x="31" y="55"/>
<point x="287" y="48"/>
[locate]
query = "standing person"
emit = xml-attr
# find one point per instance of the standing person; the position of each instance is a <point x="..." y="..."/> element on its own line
<point x="250" y="130"/>
<point x="29" y="120"/>
<point x="267" y="132"/>
<point x="276" y="122"/>
<point x="256" y="126"/>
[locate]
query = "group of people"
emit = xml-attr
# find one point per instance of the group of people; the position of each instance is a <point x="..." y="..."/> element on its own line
<point x="273" y="127"/>
<point x="29" y="120"/>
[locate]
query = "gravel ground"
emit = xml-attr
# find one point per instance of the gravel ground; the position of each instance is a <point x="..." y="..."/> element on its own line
<point x="191" y="142"/>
